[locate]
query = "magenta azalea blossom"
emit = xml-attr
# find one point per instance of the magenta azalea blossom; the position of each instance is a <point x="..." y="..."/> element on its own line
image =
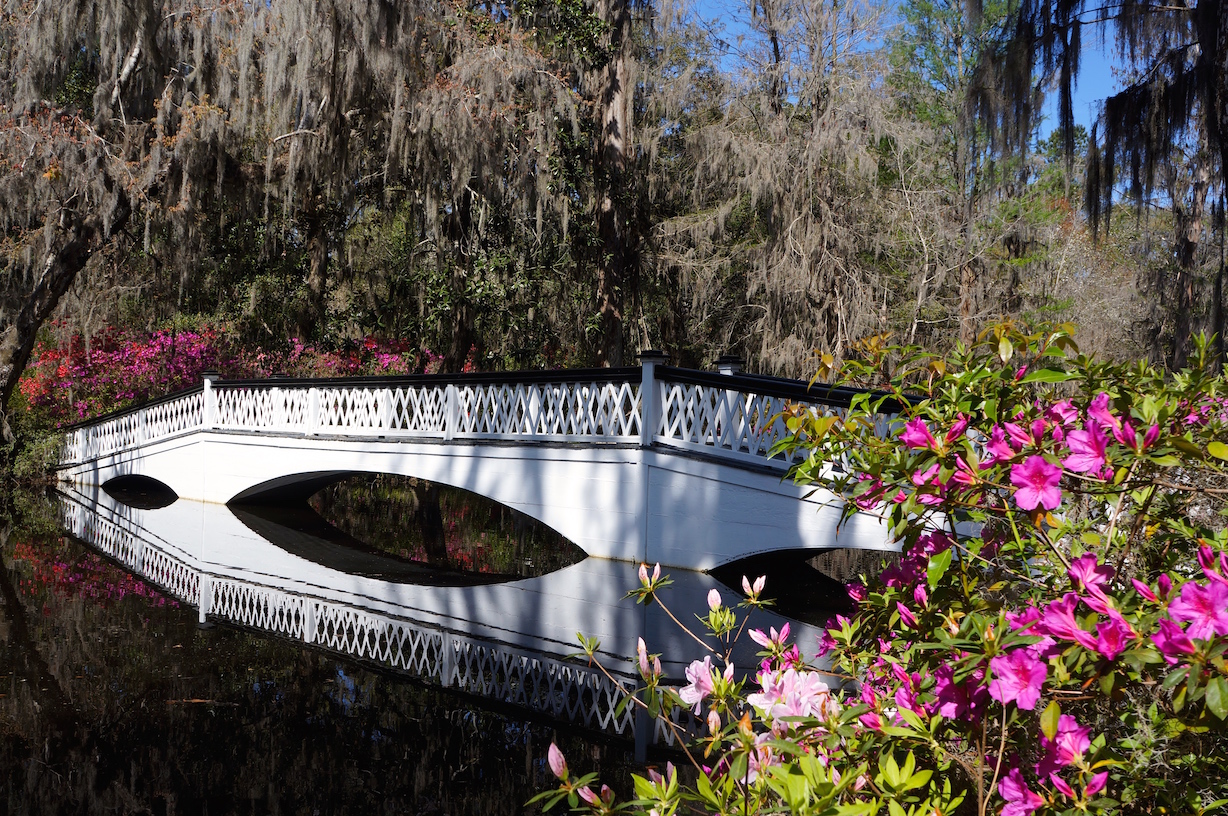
<point x="1099" y="410"/>
<point x="1059" y="621"/>
<point x="957" y="430"/>
<point x="999" y="449"/>
<point x="1172" y="642"/>
<point x="1144" y="590"/>
<point x="1087" y="449"/>
<point x="1020" y="800"/>
<point x="1038" y="484"/>
<point x="959" y="701"/>
<point x="1114" y="636"/>
<point x="1089" y="575"/>
<point x="1067" y="745"/>
<point x="1063" y="412"/>
<point x="917" y="434"/>
<point x="1017" y="678"/>
<point x="1204" y="607"/>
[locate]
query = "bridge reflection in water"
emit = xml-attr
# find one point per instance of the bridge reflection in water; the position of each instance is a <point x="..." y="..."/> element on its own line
<point x="511" y="643"/>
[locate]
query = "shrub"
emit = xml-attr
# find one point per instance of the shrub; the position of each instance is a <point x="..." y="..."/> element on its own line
<point x="1052" y="639"/>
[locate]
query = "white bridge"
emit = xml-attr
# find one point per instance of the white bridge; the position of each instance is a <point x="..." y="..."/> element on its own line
<point x="655" y="463"/>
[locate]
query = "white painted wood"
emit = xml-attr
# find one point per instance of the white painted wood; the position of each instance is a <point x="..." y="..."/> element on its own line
<point x="578" y="456"/>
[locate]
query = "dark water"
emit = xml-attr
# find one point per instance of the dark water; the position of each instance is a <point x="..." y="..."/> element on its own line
<point x="114" y="700"/>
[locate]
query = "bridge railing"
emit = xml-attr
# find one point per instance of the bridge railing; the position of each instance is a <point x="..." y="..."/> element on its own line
<point x="730" y="416"/>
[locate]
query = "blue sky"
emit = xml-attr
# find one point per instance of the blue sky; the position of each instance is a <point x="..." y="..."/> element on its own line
<point x="1095" y="80"/>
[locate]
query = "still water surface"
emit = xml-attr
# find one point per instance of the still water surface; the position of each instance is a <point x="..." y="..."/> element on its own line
<point x="414" y="666"/>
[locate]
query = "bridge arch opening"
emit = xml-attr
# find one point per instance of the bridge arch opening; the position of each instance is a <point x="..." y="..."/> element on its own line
<point x="416" y="520"/>
<point x="141" y="492"/>
<point x="808" y="585"/>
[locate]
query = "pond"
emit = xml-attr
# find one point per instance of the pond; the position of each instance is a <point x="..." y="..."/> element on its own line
<point x="395" y="647"/>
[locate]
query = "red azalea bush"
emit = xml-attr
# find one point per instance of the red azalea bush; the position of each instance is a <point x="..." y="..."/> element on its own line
<point x="1052" y="640"/>
<point x="76" y="381"/>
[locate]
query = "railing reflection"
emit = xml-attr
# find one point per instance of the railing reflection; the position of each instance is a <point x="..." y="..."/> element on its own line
<point x="506" y="642"/>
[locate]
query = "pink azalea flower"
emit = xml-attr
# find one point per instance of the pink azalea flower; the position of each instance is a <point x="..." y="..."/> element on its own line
<point x="1099" y="410"/>
<point x="699" y="677"/>
<point x="964" y="474"/>
<point x="1019" y="437"/>
<point x="957" y="430"/>
<point x="1096" y="784"/>
<point x="1211" y="567"/>
<point x="774" y="640"/>
<point x="1020" y="800"/>
<point x="1204" y="607"/>
<point x="998" y="448"/>
<point x="917" y="434"/>
<point x="1164" y="584"/>
<point x="959" y="701"/>
<point x="1087" y="449"/>
<point x="1062" y="786"/>
<point x="1059" y="621"/>
<point x="1172" y="642"/>
<point x="1144" y="590"/>
<point x="1089" y="575"/>
<point x="1038" y="484"/>
<point x="1063" y="412"/>
<point x="1017" y="678"/>
<point x="1114" y="636"/>
<point x="1068" y="744"/>
<point x="856" y="591"/>
<point x="872" y="721"/>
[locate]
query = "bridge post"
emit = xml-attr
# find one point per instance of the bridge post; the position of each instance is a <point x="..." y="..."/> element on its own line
<point x="451" y="413"/>
<point x="650" y="403"/>
<point x="204" y="598"/>
<point x="650" y="418"/>
<point x="313" y="411"/>
<point x="208" y="400"/>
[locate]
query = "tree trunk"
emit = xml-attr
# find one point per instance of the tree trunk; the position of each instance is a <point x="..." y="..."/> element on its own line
<point x="614" y="107"/>
<point x="311" y="313"/>
<point x="1189" y="233"/>
<point x="82" y="238"/>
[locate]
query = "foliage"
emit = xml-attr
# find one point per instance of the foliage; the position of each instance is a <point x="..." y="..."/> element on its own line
<point x="75" y="381"/>
<point x="1053" y="638"/>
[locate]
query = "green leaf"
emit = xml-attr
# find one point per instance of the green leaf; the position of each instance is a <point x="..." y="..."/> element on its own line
<point x="1218" y="449"/>
<point x="1217" y="697"/>
<point x="938" y="567"/>
<point x="1005" y="349"/>
<point x="1049" y="719"/>
<point x="1048" y="375"/>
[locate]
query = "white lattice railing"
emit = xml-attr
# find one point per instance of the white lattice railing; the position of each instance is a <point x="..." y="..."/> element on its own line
<point x="731" y="417"/>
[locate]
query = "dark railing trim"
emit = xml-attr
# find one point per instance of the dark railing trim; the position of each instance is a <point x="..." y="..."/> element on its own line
<point x="835" y="395"/>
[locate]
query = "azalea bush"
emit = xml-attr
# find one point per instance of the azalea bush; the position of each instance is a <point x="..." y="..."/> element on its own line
<point x="74" y="381"/>
<point x="1052" y="639"/>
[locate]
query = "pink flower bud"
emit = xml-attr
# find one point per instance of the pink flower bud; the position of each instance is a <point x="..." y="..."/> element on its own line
<point x="641" y="653"/>
<point x="586" y="793"/>
<point x="714" y="599"/>
<point x="558" y="765"/>
<point x="1096" y="784"/>
<point x="714" y="722"/>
